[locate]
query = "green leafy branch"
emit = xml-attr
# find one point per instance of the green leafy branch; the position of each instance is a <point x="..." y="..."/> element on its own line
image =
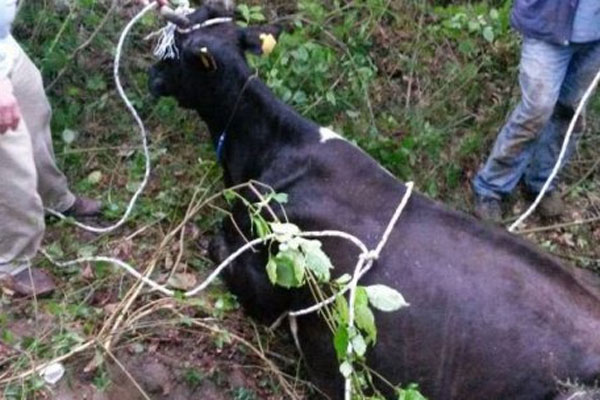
<point x="298" y="261"/>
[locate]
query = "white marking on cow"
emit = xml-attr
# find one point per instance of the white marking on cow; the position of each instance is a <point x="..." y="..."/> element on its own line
<point x="328" y="134"/>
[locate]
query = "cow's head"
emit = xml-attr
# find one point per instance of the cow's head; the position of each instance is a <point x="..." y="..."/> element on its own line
<point x="211" y="59"/>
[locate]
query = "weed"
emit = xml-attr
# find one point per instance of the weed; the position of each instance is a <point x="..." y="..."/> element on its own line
<point x="243" y="393"/>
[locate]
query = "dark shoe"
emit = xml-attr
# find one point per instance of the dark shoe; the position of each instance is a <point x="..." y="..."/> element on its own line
<point x="84" y="207"/>
<point x="37" y="282"/>
<point x="488" y="208"/>
<point x="552" y="205"/>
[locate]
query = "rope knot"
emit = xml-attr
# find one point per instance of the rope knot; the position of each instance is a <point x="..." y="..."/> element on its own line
<point x="371" y="255"/>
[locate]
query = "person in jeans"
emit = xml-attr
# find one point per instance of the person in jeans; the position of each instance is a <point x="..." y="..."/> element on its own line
<point x="560" y="56"/>
<point x="29" y="178"/>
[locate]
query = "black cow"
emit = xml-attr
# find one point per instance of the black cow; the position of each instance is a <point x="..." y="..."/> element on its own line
<point x="491" y="317"/>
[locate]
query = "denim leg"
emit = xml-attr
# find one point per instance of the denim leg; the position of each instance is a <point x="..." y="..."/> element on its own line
<point x="541" y="73"/>
<point x="582" y="70"/>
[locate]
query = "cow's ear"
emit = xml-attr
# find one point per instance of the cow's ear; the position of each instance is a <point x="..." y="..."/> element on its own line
<point x="260" y="40"/>
<point x="203" y="58"/>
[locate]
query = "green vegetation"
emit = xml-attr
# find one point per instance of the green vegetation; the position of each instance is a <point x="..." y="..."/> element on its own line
<point x="422" y="88"/>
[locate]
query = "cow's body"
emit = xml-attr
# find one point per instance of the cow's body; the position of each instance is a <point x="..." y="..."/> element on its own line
<point x="490" y="317"/>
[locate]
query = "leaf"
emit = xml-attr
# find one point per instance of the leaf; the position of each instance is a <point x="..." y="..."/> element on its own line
<point x="488" y="34"/>
<point x="132" y="187"/>
<point x="346" y="369"/>
<point x="361" y="298"/>
<point x="385" y="298"/>
<point x="284" y="231"/>
<point x="260" y="226"/>
<point x="365" y="321"/>
<point x="340" y="341"/>
<point x="316" y="260"/>
<point x="341" y="309"/>
<point x="95" y="177"/>
<point x="229" y="196"/>
<point x="272" y="270"/>
<point x="55" y="250"/>
<point x="344" y="279"/>
<point x="69" y="136"/>
<point x="330" y="98"/>
<point x="182" y="281"/>
<point x="473" y="26"/>
<point x="410" y="393"/>
<point x="290" y="268"/>
<point x="87" y="250"/>
<point x="244" y="10"/>
<point x="359" y="346"/>
<point x="281" y="198"/>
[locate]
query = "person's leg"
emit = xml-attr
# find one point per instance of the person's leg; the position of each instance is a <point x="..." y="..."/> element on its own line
<point x="584" y="65"/>
<point x="35" y="108"/>
<point x="21" y="210"/>
<point x="542" y="71"/>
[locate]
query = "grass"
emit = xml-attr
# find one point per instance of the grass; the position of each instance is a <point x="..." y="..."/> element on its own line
<point x="423" y="89"/>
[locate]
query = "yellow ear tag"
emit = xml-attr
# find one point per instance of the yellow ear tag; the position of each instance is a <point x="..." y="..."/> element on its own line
<point x="268" y="43"/>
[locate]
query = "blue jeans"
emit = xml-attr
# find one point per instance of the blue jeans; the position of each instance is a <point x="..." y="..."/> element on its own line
<point x="553" y="79"/>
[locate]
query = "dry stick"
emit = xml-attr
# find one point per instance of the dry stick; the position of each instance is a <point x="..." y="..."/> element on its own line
<point x="166" y="240"/>
<point x="129" y="302"/>
<point x="40" y="367"/>
<point x="286" y="386"/>
<point x="584" y="177"/>
<point x="62" y="29"/>
<point x="561" y="156"/>
<point x="182" y="234"/>
<point x="126" y="372"/>
<point x="560" y="225"/>
<point x="142" y="230"/>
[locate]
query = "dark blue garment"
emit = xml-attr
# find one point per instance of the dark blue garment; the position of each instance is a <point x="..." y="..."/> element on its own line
<point x="547" y="20"/>
<point x="586" y="26"/>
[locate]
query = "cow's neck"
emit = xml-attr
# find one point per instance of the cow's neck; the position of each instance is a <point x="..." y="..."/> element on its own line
<point x="256" y="125"/>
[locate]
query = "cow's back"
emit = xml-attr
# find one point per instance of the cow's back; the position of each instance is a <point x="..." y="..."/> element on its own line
<point x="490" y="317"/>
<point x="493" y="317"/>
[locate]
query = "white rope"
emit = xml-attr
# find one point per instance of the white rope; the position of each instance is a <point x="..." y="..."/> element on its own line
<point x="128" y="268"/>
<point x="208" y="22"/>
<point x="366" y="257"/>
<point x="561" y="155"/>
<point x="143" y="133"/>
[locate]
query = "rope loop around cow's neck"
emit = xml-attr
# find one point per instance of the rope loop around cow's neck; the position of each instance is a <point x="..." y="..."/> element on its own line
<point x="220" y="147"/>
<point x="205" y="24"/>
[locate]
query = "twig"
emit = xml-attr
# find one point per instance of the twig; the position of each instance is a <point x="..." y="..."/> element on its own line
<point x="61" y="31"/>
<point x="560" y="225"/>
<point x="40" y="367"/>
<point x="286" y="386"/>
<point x="584" y="177"/>
<point x="126" y="372"/>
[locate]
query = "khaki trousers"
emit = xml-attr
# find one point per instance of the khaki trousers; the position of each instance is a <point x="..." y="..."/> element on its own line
<point x="29" y="177"/>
